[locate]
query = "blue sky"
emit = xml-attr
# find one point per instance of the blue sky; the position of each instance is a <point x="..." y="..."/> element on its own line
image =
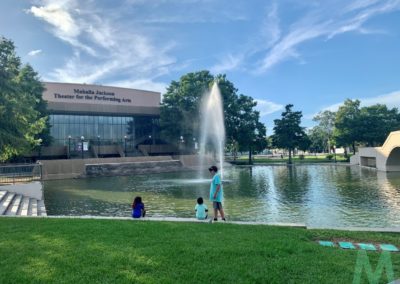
<point x="313" y="54"/>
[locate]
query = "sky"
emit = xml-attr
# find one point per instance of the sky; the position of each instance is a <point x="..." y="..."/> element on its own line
<point x="312" y="54"/>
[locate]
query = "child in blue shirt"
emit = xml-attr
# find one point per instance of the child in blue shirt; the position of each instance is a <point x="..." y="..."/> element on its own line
<point x="138" y="208"/>
<point x="201" y="209"/>
<point x="216" y="193"/>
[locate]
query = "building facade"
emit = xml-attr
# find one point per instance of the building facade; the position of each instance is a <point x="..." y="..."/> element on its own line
<point x="87" y="117"/>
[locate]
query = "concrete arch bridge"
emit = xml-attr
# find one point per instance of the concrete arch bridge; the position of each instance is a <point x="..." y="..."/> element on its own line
<point x="385" y="158"/>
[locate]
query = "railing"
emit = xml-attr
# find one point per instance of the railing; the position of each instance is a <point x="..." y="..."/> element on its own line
<point x="20" y="173"/>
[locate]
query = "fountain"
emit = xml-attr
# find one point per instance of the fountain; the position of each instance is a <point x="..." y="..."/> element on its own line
<point x="212" y="127"/>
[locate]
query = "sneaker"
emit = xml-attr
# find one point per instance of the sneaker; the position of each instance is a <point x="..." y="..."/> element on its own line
<point x="223" y="219"/>
<point x="215" y="219"/>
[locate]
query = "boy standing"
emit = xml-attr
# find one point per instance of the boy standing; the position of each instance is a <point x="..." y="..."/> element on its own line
<point x="216" y="193"/>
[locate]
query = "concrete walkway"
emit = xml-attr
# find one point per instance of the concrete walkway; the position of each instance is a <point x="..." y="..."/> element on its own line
<point x="358" y="229"/>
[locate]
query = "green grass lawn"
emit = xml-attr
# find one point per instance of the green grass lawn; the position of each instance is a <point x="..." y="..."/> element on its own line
<point x="115" y="251"/>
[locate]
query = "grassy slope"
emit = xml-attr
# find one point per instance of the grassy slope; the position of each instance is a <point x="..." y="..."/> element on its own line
<point x="108" y="251"/>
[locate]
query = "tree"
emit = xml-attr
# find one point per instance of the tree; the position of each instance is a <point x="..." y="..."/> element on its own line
<point x="347" y="124"/>
<point x="29" y="84"/>
<point x="288" y="133"/>
<point x="180" y="107"/>
<point x="326" y="124"/>
<point x="245" y="127"/>
<point x="376" y="122"/>
<point x="20" y="122"/>
<point x="180" y="111"/>
<point x="318" y="139"/>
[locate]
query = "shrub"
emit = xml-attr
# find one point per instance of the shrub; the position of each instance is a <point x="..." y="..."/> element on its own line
<point x="301" y="157"/>
<point x="329" y="157"/>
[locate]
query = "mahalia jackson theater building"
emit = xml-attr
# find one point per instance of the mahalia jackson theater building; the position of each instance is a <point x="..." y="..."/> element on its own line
<point x="94" y="120"/>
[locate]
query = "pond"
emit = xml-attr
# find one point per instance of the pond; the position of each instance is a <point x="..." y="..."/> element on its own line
<point x="317" y="195"/>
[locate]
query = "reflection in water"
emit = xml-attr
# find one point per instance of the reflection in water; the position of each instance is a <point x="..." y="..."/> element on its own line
<point x="317" y="195"/>
<point x="292" y="183"/>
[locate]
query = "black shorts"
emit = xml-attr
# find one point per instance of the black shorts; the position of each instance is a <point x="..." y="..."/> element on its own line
<point x="217" y="205"/>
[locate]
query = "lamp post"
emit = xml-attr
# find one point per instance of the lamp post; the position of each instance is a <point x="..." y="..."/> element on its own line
<point x="125" y="137"/>
<point x="151" y="142"/>
<point x="82" y="139"/>
<point x="69" y="146"/>
<point x="181" y="142"/>
<point x="194" y="144"/>
<point x="98" y="146"/>
<point x="334" y="152"/>
<point x="40" y="148"/>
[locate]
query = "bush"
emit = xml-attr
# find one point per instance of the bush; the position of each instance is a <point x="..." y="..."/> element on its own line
<point x="329" y="157"/>
<point x="301" y="157"/>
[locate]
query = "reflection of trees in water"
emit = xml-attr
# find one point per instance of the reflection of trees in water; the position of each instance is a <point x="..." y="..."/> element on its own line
<point x="393" y="178"/>
<point x="247" y="182"/>
<point x="361" y="187"/>
<point x="292" y="183"/>
<point x="356" y="185"/>
<point x="390" y="188"/>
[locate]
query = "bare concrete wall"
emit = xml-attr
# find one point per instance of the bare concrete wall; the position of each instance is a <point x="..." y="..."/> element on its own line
<point x="129" y="168"/>
<point x="75" y="168"/>
<point x="368" y="162"/>
<point x="355" y="159"/>
<point x="80" y="168"/>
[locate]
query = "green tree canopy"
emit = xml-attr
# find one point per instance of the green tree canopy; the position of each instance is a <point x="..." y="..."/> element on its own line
<point x="376" y="122"/>
<point x="318" y="140"/>
<point x="288" y="134"/>
<point x="354" y="125"/>
<point x="180" y="111"/>
<point x="326" y="124"/>
<point x="21" y="122"/>
<point x="30" y="84"/>
<point x="348" y="124"/>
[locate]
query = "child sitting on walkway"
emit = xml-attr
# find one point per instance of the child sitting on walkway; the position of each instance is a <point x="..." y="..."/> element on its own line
<point x="201" y="209"/>
<point x="138" y="208"/>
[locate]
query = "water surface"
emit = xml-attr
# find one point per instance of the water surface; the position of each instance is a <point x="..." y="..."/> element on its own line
<point x="318" y="195"/>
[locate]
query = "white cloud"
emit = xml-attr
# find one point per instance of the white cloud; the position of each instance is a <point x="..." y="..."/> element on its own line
<point x="187" y="12"/>
<point x="64" y="20"/>
<point x="56" y="15"/>
<point x="359" y="4"/>
<point x="103" y="47"/>
<point x="285" y="48"/>
<point x="325" y="22"/>
<point x="34" y="52"/>
<point x="271" y="30"/>
<point x="142" y="84"/>
<point x="391" y="100"/>
<point x="267" y="107"/>
<point x="228" y="63"/>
